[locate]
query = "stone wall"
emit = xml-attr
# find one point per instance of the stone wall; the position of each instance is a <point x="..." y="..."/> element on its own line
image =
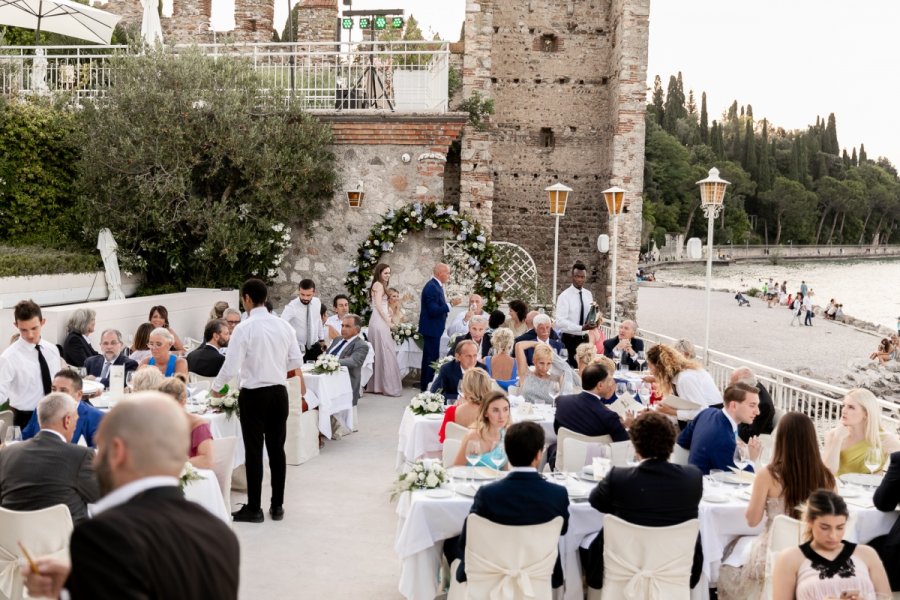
<point x="317" y="20"/>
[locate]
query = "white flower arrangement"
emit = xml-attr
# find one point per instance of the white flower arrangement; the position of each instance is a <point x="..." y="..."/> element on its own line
<point x="436" y="365"/>
<point x="228" y="403"/>
<point x="188" y="474"/>
<point x="425" y="474"/>
<point x="427" y="403"/>
<point x="406" y="331"/>
<point x="327" y="363"/>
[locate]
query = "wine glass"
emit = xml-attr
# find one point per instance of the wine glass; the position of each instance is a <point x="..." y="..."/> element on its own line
<point x="621" y="388"/>
<point x="645" y="391"/>
<point x="473" y="454"/>
<point x="641" y="359"/>
<point x="602" y="460"/>
<point x="873" y="459"/>
<point x="741" y="457"/>
<point x="13" y="435"/>
<point x="128" y="377"/>
<point x="82" y="372"/>
<point x="617" y="353"/>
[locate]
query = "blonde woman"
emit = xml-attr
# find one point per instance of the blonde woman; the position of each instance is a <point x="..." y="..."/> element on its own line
<point x="539" y="386"/>
<point x="200" y="453"/>
<point x="146" y="379"/>
<point x="162" y="357"/>
<point x="218" y="310"/>
<point x="585" y="355"/>
<point x="487" y="431"/>
<point x="395" y="310"/>
<point x="673" y="373"/>
<point x="474" y="388"/>
<point x="500" y="365"/>
<point x="860" y="430"/>
<point x="687" y="348"/>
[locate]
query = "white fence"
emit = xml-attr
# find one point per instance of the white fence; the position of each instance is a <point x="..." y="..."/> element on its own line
<point x="394" y="76"/>
<point x="790" y="392"/>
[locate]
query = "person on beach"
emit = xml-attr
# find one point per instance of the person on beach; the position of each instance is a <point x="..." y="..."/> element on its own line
<point x="885" y="351"/>
<point x="797" y="309"/>
<point x="808" y="309"/>
<point x="741" y="299"/>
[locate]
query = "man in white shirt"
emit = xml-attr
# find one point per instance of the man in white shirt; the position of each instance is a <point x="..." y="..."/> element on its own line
<point x="26" y="366"/>
<point x="304" y="313"/>
<point x="460" y="324"/>
<point x="261" y="352"/>
<point x="334" y="323"/>
<point x="572" y="308"/>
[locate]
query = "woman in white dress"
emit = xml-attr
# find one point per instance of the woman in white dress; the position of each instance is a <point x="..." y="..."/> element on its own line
<point x="386" y="378"/>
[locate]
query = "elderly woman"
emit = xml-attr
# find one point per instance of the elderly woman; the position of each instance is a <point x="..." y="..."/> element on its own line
<point x="159" y="316"/>
<point x="500" y="365"/>
<point x="162" y="357"/>
<point x="686" y="347"/>
<point x="475" y="387"/>
<point x="77" y="348"/>
<point x="860" y="432"/>
<point x="201" y="452"/>
<point x="145" y="379"/>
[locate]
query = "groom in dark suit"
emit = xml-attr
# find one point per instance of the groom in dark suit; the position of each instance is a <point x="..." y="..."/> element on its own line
<point x="433" y="319"/>
<point x="521" y="498"/>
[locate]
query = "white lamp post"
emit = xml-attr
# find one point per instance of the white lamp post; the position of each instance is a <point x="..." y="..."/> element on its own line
<point x="712" y="196"/>
<point x="615" y="202"/>
<point x="558" y="196"/>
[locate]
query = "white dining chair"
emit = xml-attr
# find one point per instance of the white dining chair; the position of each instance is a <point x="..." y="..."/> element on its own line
<point x="680" y="455"/>
<point x="647" y="563"/>
<point x="302" y="439"/>
<point x="786" y="533"/>
<point x="223" y="465"/>
<point x="564" y="434"/>
<point x="519" y="558"/>
<point x="449" y="452"/>
<point x="455" y="431"/>
<point x="43" y="532"/>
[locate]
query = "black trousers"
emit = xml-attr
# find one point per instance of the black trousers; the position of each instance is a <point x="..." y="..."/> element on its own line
<point x="21" y="418"/>
<point x="264" y="413"/>
<point x="571" y="342"/>
<point x="313" y="352"/>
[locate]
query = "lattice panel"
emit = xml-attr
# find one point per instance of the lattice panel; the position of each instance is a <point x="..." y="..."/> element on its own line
<point x="518" y="273"/>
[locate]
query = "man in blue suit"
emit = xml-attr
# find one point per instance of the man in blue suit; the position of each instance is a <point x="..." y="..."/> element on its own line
<point x="586" y="413"/>
<point x="68" y="382"/>
<point x="712" y="436"/>
<point x="110" y="353"/>
<point x="520" y="498"/>
<point x="542" y="332"/>
<point x="433" y="319"/>
<point x="451" y="374"/>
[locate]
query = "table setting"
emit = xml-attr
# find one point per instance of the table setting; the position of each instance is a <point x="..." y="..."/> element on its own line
<point x="330" y="392"/>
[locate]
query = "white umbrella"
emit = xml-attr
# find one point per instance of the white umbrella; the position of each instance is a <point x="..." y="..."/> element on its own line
<point x="59" y="16"/>
<point x="107" y="247"/>
<point x="151" y="28"/>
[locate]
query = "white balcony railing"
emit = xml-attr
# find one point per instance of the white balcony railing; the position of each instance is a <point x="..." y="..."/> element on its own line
<point x="392" y="76"/>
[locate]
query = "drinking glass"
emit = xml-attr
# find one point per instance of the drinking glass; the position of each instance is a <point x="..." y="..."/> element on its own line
<point x="82" y="372"/>
<point x="473" y="453"/>
<point x="641" y="359"/>
<point x="645" y="391"/>
<point x="617" y="353"/>
<point x="630" y="387"/>
<point x="621" y="388"/>
<point x="128" y="377"/>
<point x="742" y="457"/>
<point x="602" y="460"/>
<point x="13" y="435"/>
<point x="873" y="459"/>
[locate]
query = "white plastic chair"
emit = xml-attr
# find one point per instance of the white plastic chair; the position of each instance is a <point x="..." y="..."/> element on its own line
<point x="223" y="464"/>
<point x="193" y="379"/>
<point x="620" y="453"/>
<point x="679" y="455"/>
<point x="509" y="562"/>
<point x="455" y="431"/>
<point x="449" y="451"/>
<point x="647" y="563"/>
<point x="564" y="433"/>
<point x="576" y="454"/>
<point x="785" y="534"/>
<point x="302" y="440"/>
<point x="43" y="532"/>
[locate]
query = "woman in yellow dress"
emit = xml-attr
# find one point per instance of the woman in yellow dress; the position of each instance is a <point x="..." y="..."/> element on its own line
<point x="847" y="444"/>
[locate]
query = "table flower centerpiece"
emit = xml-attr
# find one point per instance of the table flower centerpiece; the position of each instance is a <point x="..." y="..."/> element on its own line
<point x="425" y="474"/>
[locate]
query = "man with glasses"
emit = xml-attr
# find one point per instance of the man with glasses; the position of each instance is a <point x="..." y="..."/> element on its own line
<point x="111" y="346"/>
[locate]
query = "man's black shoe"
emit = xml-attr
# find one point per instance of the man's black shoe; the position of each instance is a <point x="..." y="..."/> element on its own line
<point x="248" y="515"/>
<point x="277" y="513"/>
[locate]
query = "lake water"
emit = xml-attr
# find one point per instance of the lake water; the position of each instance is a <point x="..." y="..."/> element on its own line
<point x="868" y="289"/>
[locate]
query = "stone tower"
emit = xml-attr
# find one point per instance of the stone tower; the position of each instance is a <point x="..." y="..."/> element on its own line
<point x="254" y="20"/>
<point x="568" y="82"/>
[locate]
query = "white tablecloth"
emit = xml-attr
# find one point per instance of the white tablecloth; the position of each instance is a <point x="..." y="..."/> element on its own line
<point x="207" y="493"/>
<point x="332" y="394"/>
<point x="425" y="522"/>
<point x="222" y="427"/>
<point x="409" y="356"/>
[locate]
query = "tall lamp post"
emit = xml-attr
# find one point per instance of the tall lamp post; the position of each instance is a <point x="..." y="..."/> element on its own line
<point x="558" y="195"/>
<point x="615" y="202"/>
<point x="712" y="196"/>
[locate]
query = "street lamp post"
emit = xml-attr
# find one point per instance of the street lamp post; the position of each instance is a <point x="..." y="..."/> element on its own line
<point x="615" y="201"/>
<point x="712" y="196"/>
<point x="558" y="195"/>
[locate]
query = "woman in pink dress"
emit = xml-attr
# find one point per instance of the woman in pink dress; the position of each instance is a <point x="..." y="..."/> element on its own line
<point x="386" y="378"/>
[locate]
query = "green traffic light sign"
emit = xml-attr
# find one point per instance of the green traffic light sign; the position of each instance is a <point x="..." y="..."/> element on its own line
<point x="397" y="23"/>
<point x="380" y="22"/>
<point x="347" y="23"/>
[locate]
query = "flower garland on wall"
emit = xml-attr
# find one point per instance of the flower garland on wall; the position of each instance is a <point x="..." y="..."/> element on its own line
<point x="480" y="262"/>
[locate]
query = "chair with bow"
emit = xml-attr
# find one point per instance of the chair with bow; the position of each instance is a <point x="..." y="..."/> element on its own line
<point x="223" y="464"/>
<point x="302" y="441"/>
<point x="563" y="443"/>
<point x="505" y="562"/>
<point x="647" y="563"/>
<point x="785" y="533"/>
<point x="42" y="532"/>
<point x="455" y="431"/>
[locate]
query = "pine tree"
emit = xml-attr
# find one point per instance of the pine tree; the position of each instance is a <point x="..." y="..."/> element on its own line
<point x="691" y="104"/>
<point x="674" y="109"/>
<point x="845" y="158"/>
<point x="658" y="100"/>
<point x="853" y="160"/>
<point x="749" y="159"/>
<point x="764" y="170"/>
<point x="829" y="139"/>
<point x="704" y="127"/>
<point x="863" y="159"/>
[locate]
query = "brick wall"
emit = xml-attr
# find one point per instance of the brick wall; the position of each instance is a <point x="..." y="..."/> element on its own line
<point x="436" y="132"/>
<point x="317" y="20"/>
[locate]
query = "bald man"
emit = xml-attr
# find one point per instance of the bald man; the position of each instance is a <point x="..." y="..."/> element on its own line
<point x="765" y="420"/>
<point x="432" y="319"/>
<point x="144" y="540"/>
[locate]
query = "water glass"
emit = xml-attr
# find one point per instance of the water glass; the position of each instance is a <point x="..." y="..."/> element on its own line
<point x="13" y="435"/>
<point x="874" y="459"/>
<point x="473" y="453"/>
<point x="641" y="358"/>
<point x="645" y="391"/>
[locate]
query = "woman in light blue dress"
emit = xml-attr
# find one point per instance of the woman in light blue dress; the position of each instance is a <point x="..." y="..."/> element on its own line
<point x="487" y="434"/>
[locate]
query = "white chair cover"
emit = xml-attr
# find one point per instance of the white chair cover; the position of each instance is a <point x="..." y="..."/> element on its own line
<point x="449" y="452"/>
<point x="505" y="562"/>
<point x="620" y="453"/>
<point x="223" y="465"/>
<point x="194" y="378"/>
<point x="6" y="416"/>
<point x="647" y="563"/>
<point x="302" y="440"/>
<point x="561" y="437"/>
<point x="679" y="455"/>
<point x="42" y="532"/>
<point x="455" y="431"/>
<point x="785" y="533"/>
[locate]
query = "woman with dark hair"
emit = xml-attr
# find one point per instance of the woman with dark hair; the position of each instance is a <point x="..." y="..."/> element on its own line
<point x="778" y="489"/>
<point x="518" y="310"/>
<point x="826" y="566"/>
<point x="159" y="317"/>
<point x="139" y="346"/>
<point x="386" y="378"/>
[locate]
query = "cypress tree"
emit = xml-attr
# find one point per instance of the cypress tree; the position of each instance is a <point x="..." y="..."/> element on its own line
<point x="829" y="139"/>
<point x="658" y="100"/>
<point x="845" y="158"/>
<point x="802" y="163"/>
<point x="704" y="127"/>
<point x="674" y="108"/>
<point x="863" y="159"/>
<point x="750" y="161"/>
<point x="794" y="169"/>
<point x="853" y="160"/>
<point x="691" y="104"/>
<point x="764" y="170"/>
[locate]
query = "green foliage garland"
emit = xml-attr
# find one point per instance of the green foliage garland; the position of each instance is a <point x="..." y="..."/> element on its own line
<point x="480" y="261"/>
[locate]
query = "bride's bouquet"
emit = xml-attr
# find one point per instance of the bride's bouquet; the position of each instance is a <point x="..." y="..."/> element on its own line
<point x="425" y="474"/>
<point x="407" y="331"/>
<point x="427" y="403"/>
<point x="327" y="363"/>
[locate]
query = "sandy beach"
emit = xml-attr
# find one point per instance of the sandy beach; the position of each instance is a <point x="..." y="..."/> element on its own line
<point x="757" y="333"/>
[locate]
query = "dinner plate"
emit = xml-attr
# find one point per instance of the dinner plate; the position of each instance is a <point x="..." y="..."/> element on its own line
<point x="478" y="473"/>
<point x="101" y="401"/>
<point x="716" y="498"/>
<point x="849" y="492"/>
<point x="744" y="494"/>
<point x="434" y="416"/>
<point x="439" y="493"/>
<point x="866" y="479"/>
<point x="742" y="478"/>
<point x="90" y="387"/>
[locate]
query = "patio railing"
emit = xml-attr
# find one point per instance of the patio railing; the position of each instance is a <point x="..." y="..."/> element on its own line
<point x="820" y="401"/>
<point x="383" y="76"/>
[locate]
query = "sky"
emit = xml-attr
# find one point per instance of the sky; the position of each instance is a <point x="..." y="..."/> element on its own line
<point x="791" y="59"/>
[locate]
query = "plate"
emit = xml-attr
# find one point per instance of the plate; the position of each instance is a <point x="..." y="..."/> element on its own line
<point x="479" y="473"/>
<point x="434" y="416"/>
<point x="716" y="498"/>
<point x="101" y="401"/>
<point x="439" y="493"/>
<point x="531" y="417"/>
<point x="577" y="490"/>
<point x="90" y="387"/>
<point x="742" y="478"/>
<point x="866" y="479"/>
<point x="744" y="494"/>
<point x="849" y="492"/>
<point x="466" y="489"/>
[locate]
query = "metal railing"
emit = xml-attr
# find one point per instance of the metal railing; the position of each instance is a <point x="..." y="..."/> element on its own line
<point x="820" y="401"/>
<point x="392" y="76"/>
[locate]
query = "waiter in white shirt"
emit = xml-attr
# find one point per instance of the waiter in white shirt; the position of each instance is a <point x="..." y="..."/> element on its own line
<point x="262" y="350"/>
<point x="26" y="366"/>
<point x="572" y="308"/>
<point x="304" y="313"/>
